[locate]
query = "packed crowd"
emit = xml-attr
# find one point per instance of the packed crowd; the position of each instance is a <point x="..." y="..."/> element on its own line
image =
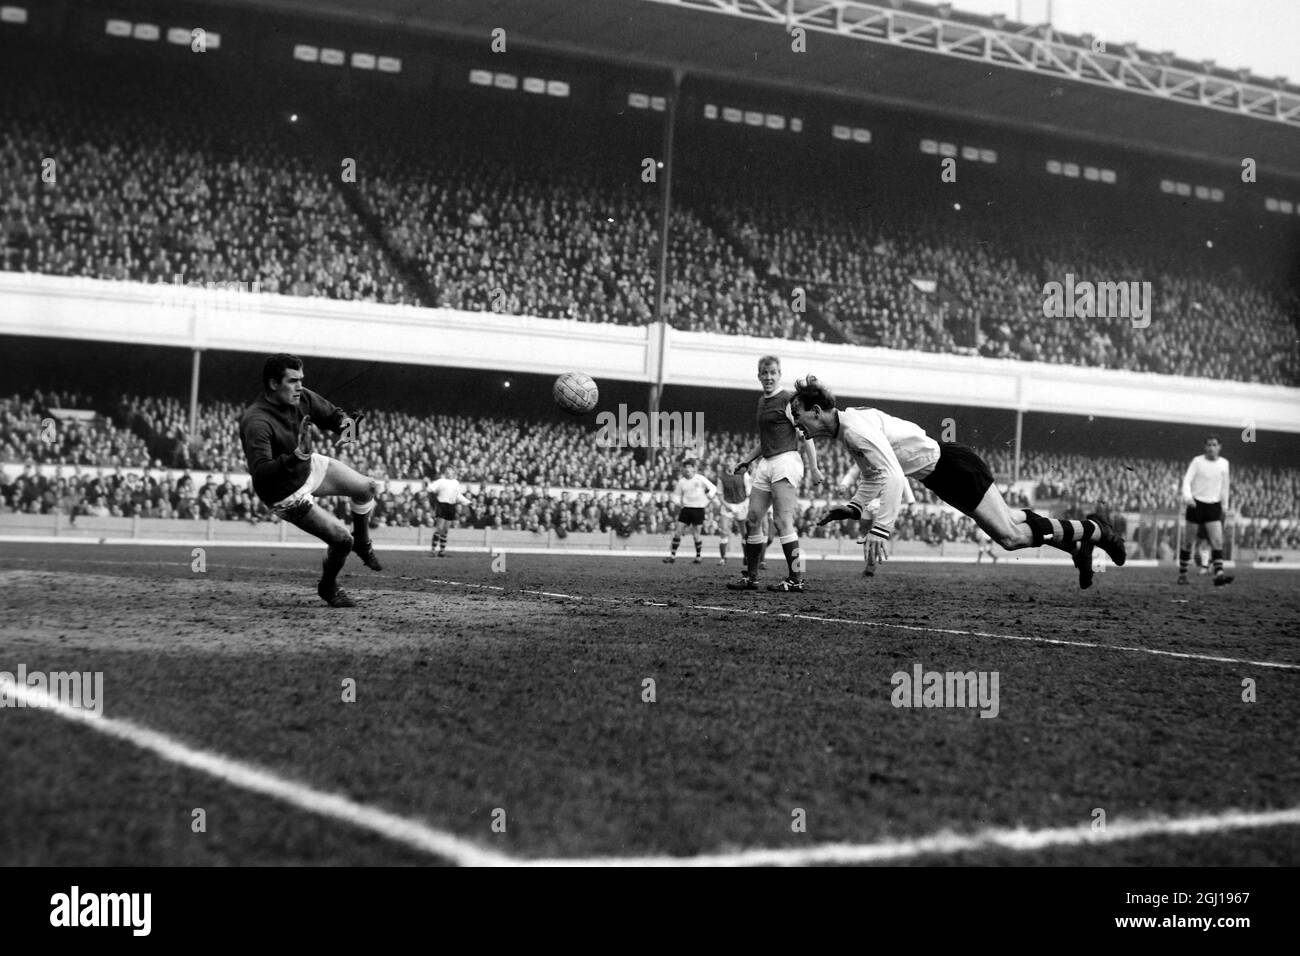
<point x="141" y="191"/>
<point x="900" y="278"/>
<point x="521" y="458"/>
<point x="474" y="219"/>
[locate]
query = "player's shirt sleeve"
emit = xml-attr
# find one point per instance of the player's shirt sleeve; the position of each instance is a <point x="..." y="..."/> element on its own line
<point x="1224" y="495"/>
<point x="324" y="413"/>
<point x="1187" y="481"/>
<point x="850" y="478"/>
<point x="881" y="475"/>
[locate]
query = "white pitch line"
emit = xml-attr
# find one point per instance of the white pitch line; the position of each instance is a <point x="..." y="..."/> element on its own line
<point x="948" y="843"/>
<point x="247" y="776"/>
<point x="420" y="836"/>
<point x="1060" y="642"/>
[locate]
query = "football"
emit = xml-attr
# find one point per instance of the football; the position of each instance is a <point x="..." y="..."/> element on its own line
<point x="575" y="392"/>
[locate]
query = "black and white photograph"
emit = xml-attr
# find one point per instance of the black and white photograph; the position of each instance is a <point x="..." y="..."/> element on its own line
<point x="650" y="433"/>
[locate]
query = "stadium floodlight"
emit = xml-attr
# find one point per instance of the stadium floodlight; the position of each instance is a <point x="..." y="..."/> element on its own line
<point x="13" y="14"/>
<point x="331" y="57"/>
<point x="306" y="52"/>
<point x="363" y="61"/>
<point x="480" y="77"/>
<point x="148" y="32"/>
<point x="659" y="104"/>
<point x="557" y="88"/>
<point x="390" y="64"/>
<point x="535" y="84"/>
<point x="118" y="28"/>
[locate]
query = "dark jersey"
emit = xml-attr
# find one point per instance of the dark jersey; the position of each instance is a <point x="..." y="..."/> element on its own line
<point x="269" y="433"/>
<point x="733" y="489"/>
<point x="776" y="434"/>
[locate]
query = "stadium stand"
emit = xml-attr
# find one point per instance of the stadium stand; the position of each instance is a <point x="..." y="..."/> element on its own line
<point x="509" y="466"/>
<point x="476" y="218"/>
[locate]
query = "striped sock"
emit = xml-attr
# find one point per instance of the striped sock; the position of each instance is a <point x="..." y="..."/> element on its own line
<point x="699" y="547"/>
<point x="1184" y="559"/>
<point x="677" y="540"/>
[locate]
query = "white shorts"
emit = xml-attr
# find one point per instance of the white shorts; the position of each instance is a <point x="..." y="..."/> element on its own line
<point x="319" y="465"/>
<point x="769" y="471"/>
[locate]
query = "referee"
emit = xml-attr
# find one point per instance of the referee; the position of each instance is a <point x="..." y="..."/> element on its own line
<point x="1205" y="492"/>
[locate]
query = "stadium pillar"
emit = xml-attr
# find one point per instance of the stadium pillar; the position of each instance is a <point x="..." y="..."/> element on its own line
<point x="665" y="217"/>
<point x="1020" y="423"/>
<point x="194" y="398"/>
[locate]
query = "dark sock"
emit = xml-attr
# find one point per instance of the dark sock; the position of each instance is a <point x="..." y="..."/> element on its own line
<point x="1184" y="559"/>
<point x="361" y="531"/>
<point x="791" y="549"/>
<point x="753" y="554"/>
<point x="335" y="558"/>
<point x="1217" y="557"/>
<point x="1040" y="528"/>
<point x="699" y="547"/>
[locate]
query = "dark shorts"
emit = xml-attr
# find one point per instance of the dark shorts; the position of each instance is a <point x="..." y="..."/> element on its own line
<point x="1204" y="512"/>
<point x="691" y="516"/>
<point x="447" y="511"/>
<point x="960" y="477"/>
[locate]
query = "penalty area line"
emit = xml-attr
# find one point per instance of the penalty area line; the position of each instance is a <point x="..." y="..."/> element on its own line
<point x="955" y="632"/>
<point x="247" y="776"/>
<point x="420" y="836"/>
<point x="947" y="843"/>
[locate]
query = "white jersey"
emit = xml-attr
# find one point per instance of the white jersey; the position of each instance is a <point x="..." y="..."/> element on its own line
<point x="1207" y="480"/>
<point x="694" y="492"/>
<point x="885" y="450"/>
<point x="446" y="491"/>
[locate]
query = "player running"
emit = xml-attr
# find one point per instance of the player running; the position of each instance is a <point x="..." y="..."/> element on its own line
<point x="888" y="450"/>
<point x="1205" y="492"/>
<point x="776" y="481"/>
<point x="693" y="492"/>
<point x="276" y="434"/>
<point x="447" y="494"/>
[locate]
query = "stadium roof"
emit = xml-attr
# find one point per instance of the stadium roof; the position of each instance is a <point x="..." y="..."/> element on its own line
<point x="973" y="68"/>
